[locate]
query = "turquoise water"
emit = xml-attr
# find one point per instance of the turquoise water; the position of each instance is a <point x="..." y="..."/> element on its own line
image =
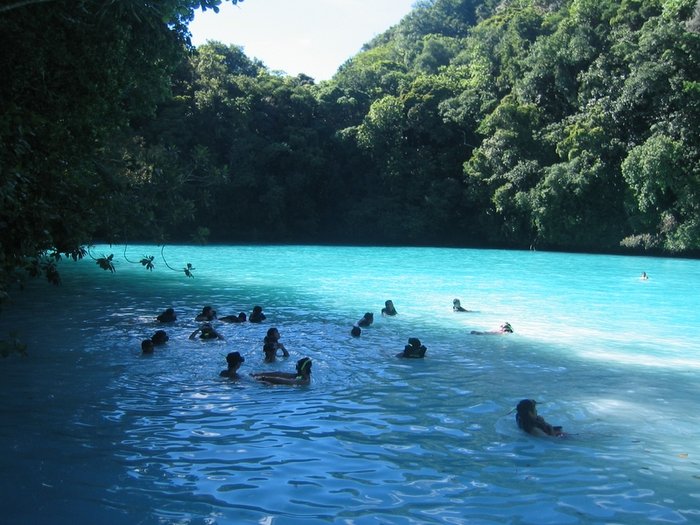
<point x="93" y="432"/>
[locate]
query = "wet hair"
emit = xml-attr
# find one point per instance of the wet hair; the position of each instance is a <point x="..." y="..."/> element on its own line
<point x="147" y="346"/>
<point x="167" y="316"/>
<point x="242" y="316"/>
<point x="356" y="331"/>
<point x="271" y="331"/>
<point x="234" y="359"/>
<point x="257" y="309"/>
<point x="414" y="348"/>
<point x="507" y="328"/>
<point x="160" y="337"/>
<point x="303" y="363"/>
<point x="524" y="414"/>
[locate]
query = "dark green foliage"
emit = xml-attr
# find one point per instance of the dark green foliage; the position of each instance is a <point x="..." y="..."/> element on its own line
<point x="566" y="124"/>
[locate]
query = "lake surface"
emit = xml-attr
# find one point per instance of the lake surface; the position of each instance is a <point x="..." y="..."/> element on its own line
<point x="94" y="432"/>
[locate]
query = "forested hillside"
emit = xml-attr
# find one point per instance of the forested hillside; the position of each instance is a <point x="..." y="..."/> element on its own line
<point x="553" y="124"/>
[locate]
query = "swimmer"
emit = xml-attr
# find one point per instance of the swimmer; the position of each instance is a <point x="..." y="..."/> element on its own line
<point x="505" y="328"/>
<point x="366" y="320"/>
<point x="301" y="377"/>
<point x="257" y="316"/>
<point x="240" y="318"/>
<point x="208" y="314"/>
<point x="146" y="346"/>
<point x="272" y="343"/>
<point x="206" y="332"/>
<point x="389" y="308"/>
<point x="356" y="331"/>
<point x="528" y="420"/>
<point x="457" y="306"/>
<point x="159" y="338"/>
<point x="413" y="349"/>
<point x="644" y="276"/>
<point x="234" y="360"/>
<point x="167" y="316"/>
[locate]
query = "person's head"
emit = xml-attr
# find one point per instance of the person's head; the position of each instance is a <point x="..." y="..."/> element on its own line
<point x="147" y="346"/>
<point x="160" y="337"/>
<point x="304" y="366"/>
<point x="242" y="317"/>
<point x="234" y="360"/>
<point x="456" y="303"/>
<point x="273" y="334"/>
<point x="414" y="342"/>
<point x="207" y="310"/>
<point x="526" y="414"/>
<point x="414" y="348"/>
<point x="257" y="309"/>
<point x="208" y="331"/>
<point x="506" y="328"/>
<point x="356" y="331"/>
<point x="389" y="304"/>
<point x="369" y="316"/>
<point x="270" y="352"/>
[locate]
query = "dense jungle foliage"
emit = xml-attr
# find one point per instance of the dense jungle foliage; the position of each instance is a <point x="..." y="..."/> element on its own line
<point x="554" y="124"/>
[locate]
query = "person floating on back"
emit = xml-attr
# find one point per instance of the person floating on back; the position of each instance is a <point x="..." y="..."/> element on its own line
<point x="528" y="420"/>
<point x="457" y="306"/>
<point x="240" y="318"/>
<point x="167" y="316"/>
<point x="208" y="314"/>
<point x="389" y="308"/>
<point x="301" y="377"/>
<point x="206" y="332"/>
<point x="257" y="315"/>
<point x="366" y="320"/>
<point x="505" y="328"/>
<point x="413" y="349"/>
<point x="234" y="360"/>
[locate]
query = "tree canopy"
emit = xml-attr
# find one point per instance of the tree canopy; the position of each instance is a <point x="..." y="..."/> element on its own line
<point x="558" y="124"/>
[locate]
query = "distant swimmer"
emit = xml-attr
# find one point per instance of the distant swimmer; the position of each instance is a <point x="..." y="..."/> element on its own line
<point x="366" y="320"/>
<point x="644" y="276"/>
<point x="301" y="377"/>
<point x="257" y="315"/>
<point x="457" y="306"/>
<point x="240" y="318"/>
<point x="413" y="349"/>
<point x="271" y="345"/>
<point x="206" y="332"/>
<point x="159" y="338"/>
<point x="389" y="308"/>
<point x="167" y="316"/>
<point x="528" y="420"/>
<point x="356" y="331"/>
<point x="208" y="314"/>
<point x="146" y="346"/>
<point x="505" y="328"/>
<point x="234" y="360"/>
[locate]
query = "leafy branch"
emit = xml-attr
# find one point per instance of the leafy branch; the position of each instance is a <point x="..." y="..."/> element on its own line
<point x="188" y="269"/>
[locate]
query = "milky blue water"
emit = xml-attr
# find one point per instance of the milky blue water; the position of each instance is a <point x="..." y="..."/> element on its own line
<point x="93" y="432"/>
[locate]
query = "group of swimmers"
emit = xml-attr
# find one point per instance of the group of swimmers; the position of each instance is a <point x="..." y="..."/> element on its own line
<point x="234" y="360"/>
<point x="526" y="413"/>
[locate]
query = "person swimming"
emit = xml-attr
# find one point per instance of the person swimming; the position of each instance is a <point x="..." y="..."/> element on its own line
<point x="413" y="349"/>
<point x="146" y="347"/>
<point x="301" y="377"/>
<point x="257" y="315"/>
<point x="366" y="320"/>
<point x="207" y="314"/>
<point x="167" y="316"/>
<point x="234" y="360"/>
<point x="271" y="345"/>
<point x="389" y="308"/>
<point x="356" y="331"/>
<point x="527" y="419"/>
<point x="206" y="332"/>
<point x="457" y="306"/>
<point x="159" y="338"/>
<point x="240" y="318"/>
<point x="505" y="328"/>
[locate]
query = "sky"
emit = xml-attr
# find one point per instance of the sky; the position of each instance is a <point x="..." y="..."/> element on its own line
<point x="314" y="37"/>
